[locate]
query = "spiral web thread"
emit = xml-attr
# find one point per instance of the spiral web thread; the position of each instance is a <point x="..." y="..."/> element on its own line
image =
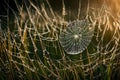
<point x="35" y="46"/>
<point x="77" y="36"/>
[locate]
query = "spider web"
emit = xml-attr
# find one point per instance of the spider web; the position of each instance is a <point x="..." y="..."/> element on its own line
<point x="37" y="38"/>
